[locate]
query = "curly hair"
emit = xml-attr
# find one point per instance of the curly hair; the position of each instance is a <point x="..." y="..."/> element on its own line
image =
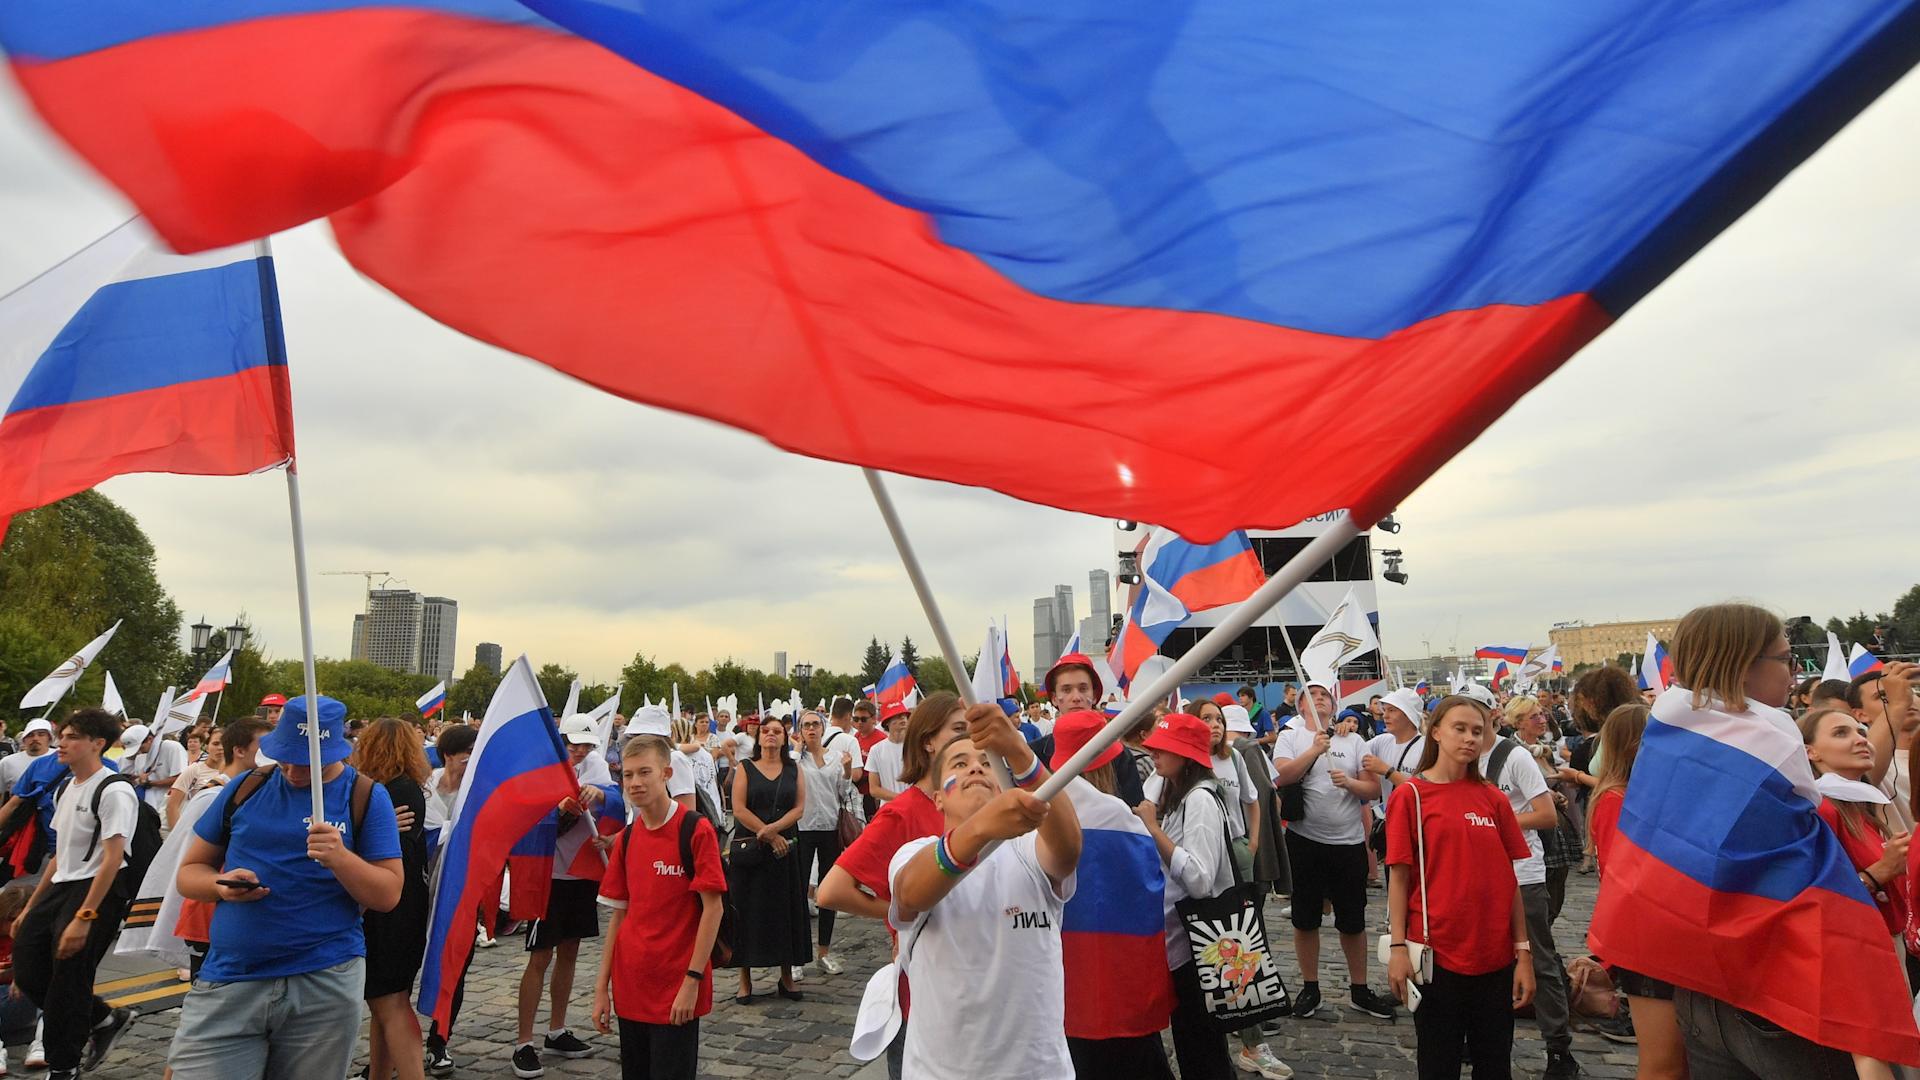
<point x="1598" y="693"/>
<point x="391" y="747"/>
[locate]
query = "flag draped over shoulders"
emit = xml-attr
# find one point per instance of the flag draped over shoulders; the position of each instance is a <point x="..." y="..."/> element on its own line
<point x="1724" y="880"/>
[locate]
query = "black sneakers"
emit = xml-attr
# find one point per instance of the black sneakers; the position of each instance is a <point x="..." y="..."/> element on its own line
<point x="1617" y="1028"/>
<point x="567" y="1046"/>
<point x="439" y="1062"/>
<point x="1365" y="1000"/>
<point x="1561" y="1066"/>
<point x="526" y="1062"/>
<point x="105" y="1034"/>
<point x="1307" y="1001"/>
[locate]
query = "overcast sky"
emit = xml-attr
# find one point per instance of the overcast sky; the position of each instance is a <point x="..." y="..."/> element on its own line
<point x="1747" y="431"/>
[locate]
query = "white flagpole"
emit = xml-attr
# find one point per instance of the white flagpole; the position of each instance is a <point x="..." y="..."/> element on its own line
<point x="1216" y="640"/>
<point x="263" y="248"/>
<point x="949" y="650"/>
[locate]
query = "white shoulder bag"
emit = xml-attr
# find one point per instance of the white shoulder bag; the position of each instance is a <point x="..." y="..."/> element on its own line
<point x="1419" y="954"/>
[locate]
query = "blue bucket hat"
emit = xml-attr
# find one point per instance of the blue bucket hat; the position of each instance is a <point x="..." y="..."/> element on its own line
<point x="287" y="742"/>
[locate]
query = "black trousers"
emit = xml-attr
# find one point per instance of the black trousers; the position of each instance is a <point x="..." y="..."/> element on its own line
<point x="824" y="845"/>
<point x="1470" y="1013"/>
<point x="1141" y="1057"/>
<point x="1201" y="1051"/>
<point x="63" y="989"/>
<point x="659" y="1051"/>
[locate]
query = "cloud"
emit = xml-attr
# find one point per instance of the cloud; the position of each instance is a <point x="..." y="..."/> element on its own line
<point x="1747" y="430"/>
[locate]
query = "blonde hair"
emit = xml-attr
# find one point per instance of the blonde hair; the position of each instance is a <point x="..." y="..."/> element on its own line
<point x="1714" y="648"/>
<point x="1619" y="747"/>
<point x="1517" y="709"/>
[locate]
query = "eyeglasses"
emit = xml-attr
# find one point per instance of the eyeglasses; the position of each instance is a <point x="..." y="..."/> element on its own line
<point x="1779" y="658"/>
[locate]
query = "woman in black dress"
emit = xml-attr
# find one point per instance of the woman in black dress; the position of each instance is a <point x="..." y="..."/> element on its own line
<point x="764" y="884"/>
<point x="389" y="753"/>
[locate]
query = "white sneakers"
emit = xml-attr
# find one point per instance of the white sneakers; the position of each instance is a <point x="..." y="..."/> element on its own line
<point x="830" y="964"/>
<point x="36" y="1053"/>
<point x="1259" y="1059"/>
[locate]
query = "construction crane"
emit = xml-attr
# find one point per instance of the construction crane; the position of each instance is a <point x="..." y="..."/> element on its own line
<point x="383" y="575"/>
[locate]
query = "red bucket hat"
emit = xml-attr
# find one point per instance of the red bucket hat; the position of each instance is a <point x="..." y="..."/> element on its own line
<point x="1188" y="736"/>
<point x="893" y="712"/>
<point x="1074" y="731"/>
<point x="1073" y="660"/>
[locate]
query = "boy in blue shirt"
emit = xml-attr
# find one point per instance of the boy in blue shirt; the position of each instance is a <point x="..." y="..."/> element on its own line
<point x="279" y="994"/>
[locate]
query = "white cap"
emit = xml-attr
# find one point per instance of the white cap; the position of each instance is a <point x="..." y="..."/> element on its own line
<point x="1480" y="694"/>
<point x="37" y="724"/>
<point x="579" y="730"/>
<point x="650" y="720"/>
<point x="1408" y="702"/>
<point x="1237" y="718"/>
<point x="134" y="736"/>
<point x="878" y="1020"/>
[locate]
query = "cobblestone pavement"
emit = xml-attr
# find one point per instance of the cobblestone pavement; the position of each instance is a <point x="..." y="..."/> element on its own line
<point x="776" y="1038"/>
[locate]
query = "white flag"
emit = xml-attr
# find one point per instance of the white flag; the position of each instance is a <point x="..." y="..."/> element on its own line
<point x="573" y="699"/>
<point x="51" y="689"/>
<point x="1347" y="636"/>
<point x="1836" y="660"/>
<point x="180" y="715"/>
<point x="602" y="716"/>
<point x="986" y="673"/>
<point x="110" y="698"/>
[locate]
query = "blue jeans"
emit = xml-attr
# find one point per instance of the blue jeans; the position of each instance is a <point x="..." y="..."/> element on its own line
<point x="296" y="1028"/>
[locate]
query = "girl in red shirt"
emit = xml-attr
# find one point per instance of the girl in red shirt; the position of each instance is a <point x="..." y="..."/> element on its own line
<point x="1656" y="1031"/>
<point x="1454" y="904"/>
<point x="656" y="971"/>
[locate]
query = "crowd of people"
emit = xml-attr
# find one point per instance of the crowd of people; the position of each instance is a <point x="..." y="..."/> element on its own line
<point x="1032" y="938"/>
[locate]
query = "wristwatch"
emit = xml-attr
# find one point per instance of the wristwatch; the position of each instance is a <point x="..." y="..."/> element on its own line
<point x="696" y="976"/>
<point x="86" y="914"/>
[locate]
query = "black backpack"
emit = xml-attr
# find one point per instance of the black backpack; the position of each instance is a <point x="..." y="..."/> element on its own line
<point x="250" y="783"/>
<point x="723" y="938"/>
<point x="141" y="847"/>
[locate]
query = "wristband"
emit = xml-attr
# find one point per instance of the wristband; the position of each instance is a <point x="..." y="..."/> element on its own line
<point x="1397" y="945"/>
<point x="1028" y="777"/>
<point x="696" y="976"/>
<point x="1523" y="946"/>
<point x="950" y="864"/>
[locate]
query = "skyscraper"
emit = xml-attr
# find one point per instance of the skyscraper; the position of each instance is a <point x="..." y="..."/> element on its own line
<point x="1046" y="643"/>
<point x="439" y="617"/>
<point x="358" y="649"/>
<point x="1099" y="604"/>
<point x="487" y="655"/>
<point x="392" y="634"/>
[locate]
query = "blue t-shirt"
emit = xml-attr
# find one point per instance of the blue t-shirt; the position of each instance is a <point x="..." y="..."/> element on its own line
<point x="308" y="922"/>
<point x="40" y="782"/>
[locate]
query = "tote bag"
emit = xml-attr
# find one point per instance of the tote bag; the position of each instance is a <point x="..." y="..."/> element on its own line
<point x="1240" y="984"/>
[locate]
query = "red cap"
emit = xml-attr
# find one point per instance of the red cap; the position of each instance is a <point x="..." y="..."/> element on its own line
<point x="275" y="699"/>
<point x="1073" y="731"/>
<point x="1188" y="736"/>
<point x="893" y="712"/>
<point x="1223" y="699"/>
<point x="1073" y="660"/>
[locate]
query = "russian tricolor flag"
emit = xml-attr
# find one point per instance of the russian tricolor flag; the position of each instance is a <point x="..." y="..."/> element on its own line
<point x="433" y="700"/>
<point x="518" y="773"/>
<point x="1656" y="667"/>
<point x="127" y="358"/>
<point x="1113" y="933"/>
<point x="215" y="680"/>
<point x="1501" y="673"/>
<point x="1348" y="236"/>
<point x="896" y="682"/>
<point x="1203" y="576"/>
<point x="1726" y="881"/>
<point x="1512" y="654"/>
<point x="1860" y="661"/>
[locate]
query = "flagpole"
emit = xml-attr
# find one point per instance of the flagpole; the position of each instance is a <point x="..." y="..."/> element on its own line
<point x="1300" y="673"/>
<point x="941" y="635"/>
<point x="217" y="695"/>
<point x="270" y="303"/>
<point x="1284" y="581"/>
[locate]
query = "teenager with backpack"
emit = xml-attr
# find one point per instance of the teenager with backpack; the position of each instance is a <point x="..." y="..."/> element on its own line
<point x="656" y="972"/>
<point x="279" y="996"/>
<point x="75" y="911"/>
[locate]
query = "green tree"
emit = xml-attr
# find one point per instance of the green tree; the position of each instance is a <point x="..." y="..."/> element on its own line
<point x="1906" y="621"/>
<point x="873" y="662"/>
<point x="473" y="692"/>
<point x="67" y="572"/>
<point x="910" y="656"/>
<point x="368" y="690"/>
<point x="642" y="678"/>
<point x="554" y="682"/>
<point x="1857" y="627"/>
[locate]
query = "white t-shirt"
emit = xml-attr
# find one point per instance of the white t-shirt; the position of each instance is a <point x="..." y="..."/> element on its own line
<point x="1334" y="815"/>
<point x="1399" y="756"/>
<point x="742" y="746"/>
<point x="13" y="765"/>
<point x="704" y="773"/>
<point x="166" y="759"/>
<point x="685" y="774"/>
<point x="1237" y="784"/>
<point x="989" y="983"/>
<point x="883" y="764"/>
<point x="1522" y="782"/>
<point x="74" y="827"/>
<point x="847" y="743"/>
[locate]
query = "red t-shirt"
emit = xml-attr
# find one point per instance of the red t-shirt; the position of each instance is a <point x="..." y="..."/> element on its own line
<point x="909" y="816"/>
<point x="656" y="939"/>
<point x="196" y="920"/>
<point x="1472" y="840"/>
<point x="867" y="742"/>
<point x="1863" y="851"/>
<point x="1606" y="823"/>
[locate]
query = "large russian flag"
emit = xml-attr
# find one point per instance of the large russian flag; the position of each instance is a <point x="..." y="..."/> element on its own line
<point x="1113" y="933"/>
<point x="517" y="775"/>
<point x="1724" y="880"/>
<point x="1203" y="576"/>
<point x="1348" y="236"/>
<point x="128" y="358"/>
<point x="896" y="682"/>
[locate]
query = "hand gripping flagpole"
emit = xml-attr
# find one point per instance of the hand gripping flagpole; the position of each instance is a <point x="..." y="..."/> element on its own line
<point x="270" y="303"/>
<point x="941" y="635"/>
<point x="1216" y="641"/>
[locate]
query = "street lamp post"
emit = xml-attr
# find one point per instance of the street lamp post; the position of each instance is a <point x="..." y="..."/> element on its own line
<point x="804" y="673"/>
